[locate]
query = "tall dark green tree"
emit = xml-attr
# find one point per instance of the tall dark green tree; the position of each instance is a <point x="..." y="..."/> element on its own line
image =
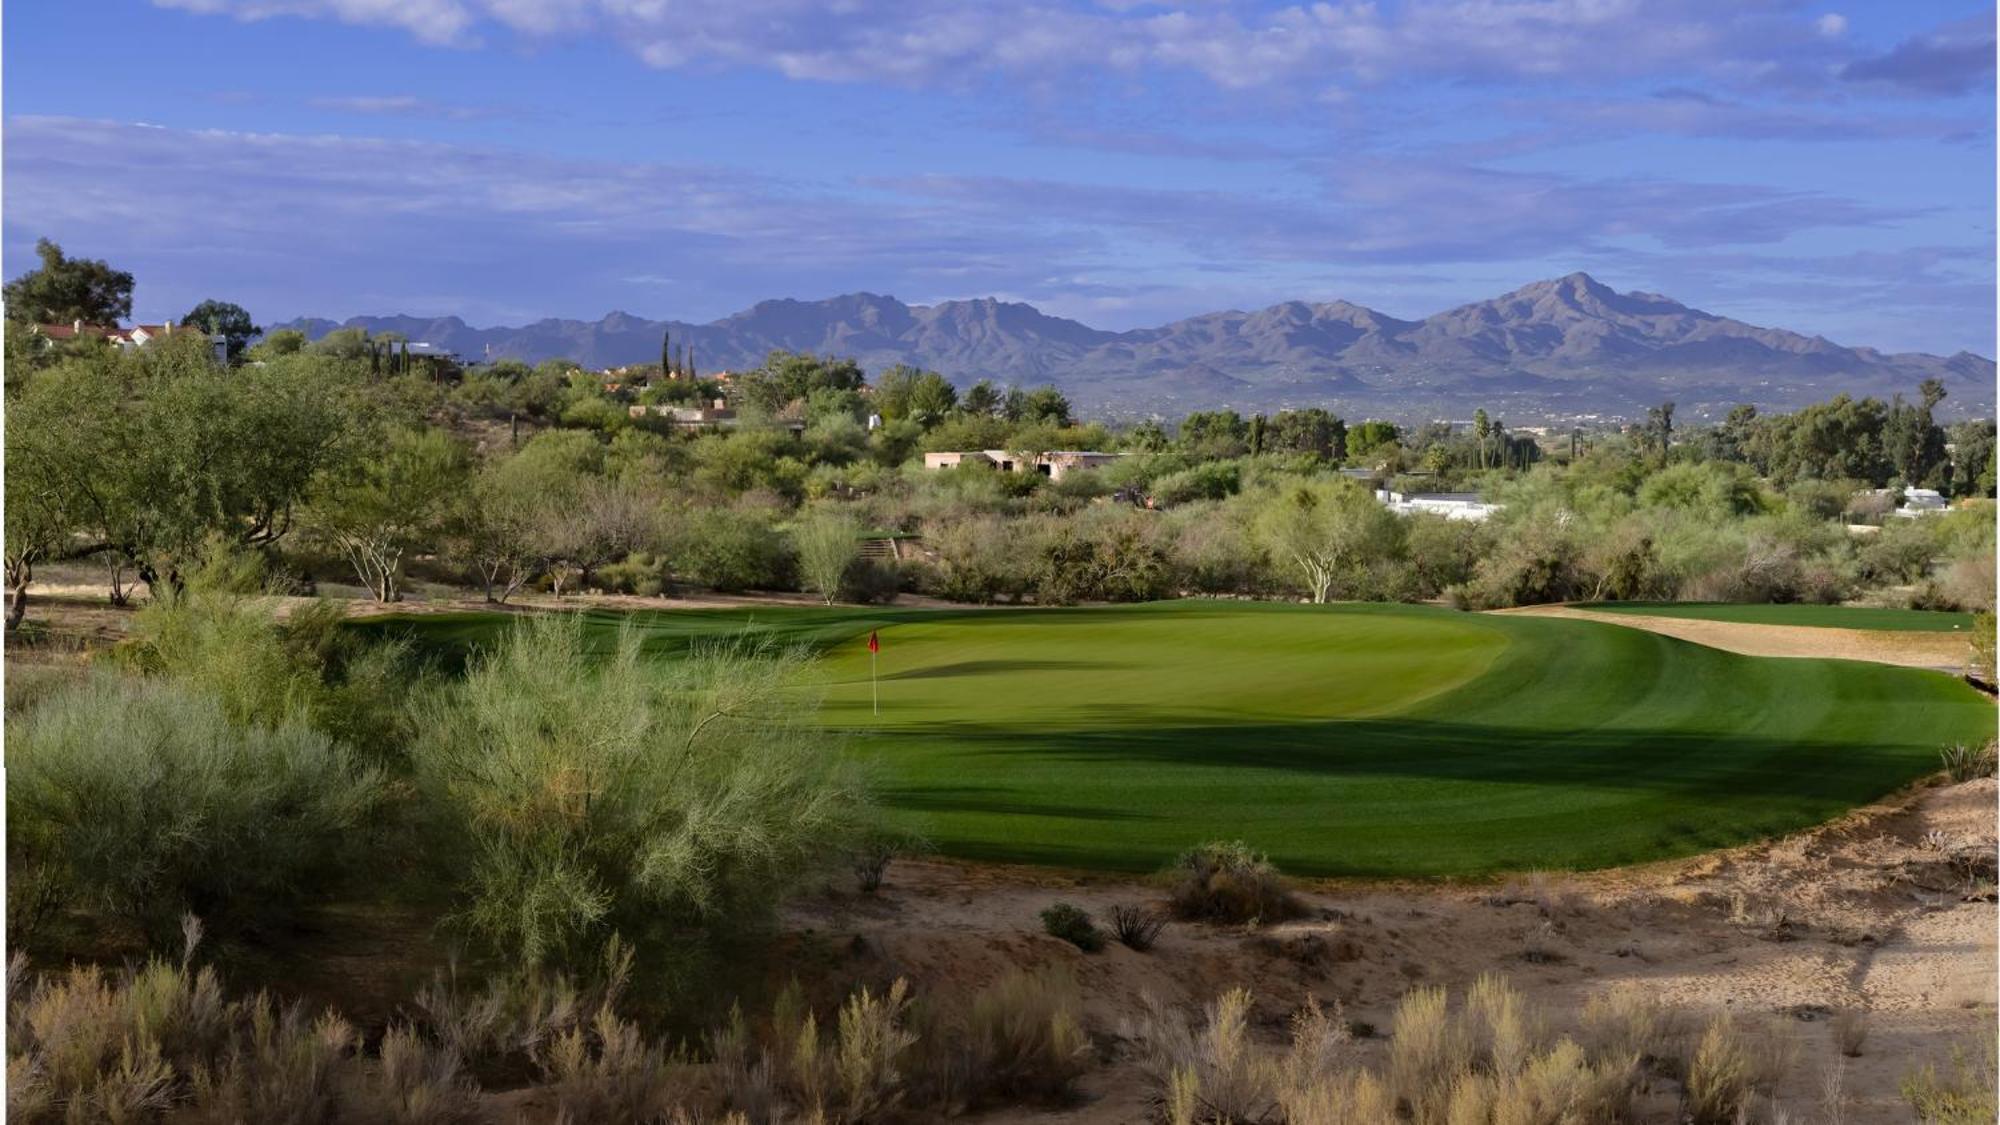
<point x="64" y="289"/>
<point x="229" y="321"/>
<point x="666" y="354"/>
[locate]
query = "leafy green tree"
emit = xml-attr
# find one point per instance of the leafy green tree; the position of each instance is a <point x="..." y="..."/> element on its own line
<point x="229" y="321"/>
<point x="1367" y="437"/>
<point x="64" y="289"/>
<point x="1213" y="435"/>
<point x="379" y="509"/>
<point x="1912" y="440"/>
<point x="284" y="341"/>
<point x="1047" y="405"/>
<point x="1313" y="432"/>
<point x="1327" y="531"/>
<point x="1972" y="458"/>
<point x="983" y="400"/>
<point x="932" y="398"/>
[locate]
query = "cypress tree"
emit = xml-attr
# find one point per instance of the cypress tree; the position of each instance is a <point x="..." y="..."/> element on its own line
<point x="666" y="355"/>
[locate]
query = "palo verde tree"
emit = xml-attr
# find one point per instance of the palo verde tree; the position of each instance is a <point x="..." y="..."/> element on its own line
<point x="64" y="289"/>
<point x="1326" y="531"/>
<point x="827" y="543"/>
<point x="585" y="794"/>
<point x="378" y="509"/>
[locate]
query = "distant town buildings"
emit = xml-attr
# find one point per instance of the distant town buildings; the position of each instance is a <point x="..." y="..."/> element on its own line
<point x="137" y="336"/>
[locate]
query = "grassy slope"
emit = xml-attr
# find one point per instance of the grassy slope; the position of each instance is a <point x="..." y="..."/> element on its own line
<point x="1349" y="740"/>
<point x="1820" y="616"/>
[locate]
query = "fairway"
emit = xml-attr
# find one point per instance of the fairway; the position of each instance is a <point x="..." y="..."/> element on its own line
<point x="1814" y="616"/>
<point x="1344" y="740"/>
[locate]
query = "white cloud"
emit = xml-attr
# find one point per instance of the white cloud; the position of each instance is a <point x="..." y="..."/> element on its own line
<point x="1833" y="25"/>
<point x="1234" y="45"/>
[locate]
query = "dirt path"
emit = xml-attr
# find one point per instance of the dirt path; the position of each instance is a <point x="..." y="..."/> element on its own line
<point x="1872" y="912"/>
<point x="1944" y="652"/>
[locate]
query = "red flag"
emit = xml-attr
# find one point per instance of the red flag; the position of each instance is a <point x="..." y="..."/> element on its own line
<point x="874" y="644"/>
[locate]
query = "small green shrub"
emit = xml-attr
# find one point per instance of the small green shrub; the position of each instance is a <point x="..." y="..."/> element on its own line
<point x="1967" y="763"/>
<point x="1964" y="1095"/>
<point x="1072" y="924"/>
<point x="1226" y="881"/>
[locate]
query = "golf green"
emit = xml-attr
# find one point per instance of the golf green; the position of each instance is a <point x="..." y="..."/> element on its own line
<point x="1814" y="616"/>
<point x="1344" y="740"/>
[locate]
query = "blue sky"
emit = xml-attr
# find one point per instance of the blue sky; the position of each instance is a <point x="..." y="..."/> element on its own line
<point x="1822" y="167"/>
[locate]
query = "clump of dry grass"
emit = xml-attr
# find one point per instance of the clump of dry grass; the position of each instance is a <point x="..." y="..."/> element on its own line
<point x="1487" y="1061"/>
<point x="1229" y="882"/>
<point x="1727" y="1072"/>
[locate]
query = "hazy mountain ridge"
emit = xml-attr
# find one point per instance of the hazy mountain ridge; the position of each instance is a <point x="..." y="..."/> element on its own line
<point x="1562" y="346"/>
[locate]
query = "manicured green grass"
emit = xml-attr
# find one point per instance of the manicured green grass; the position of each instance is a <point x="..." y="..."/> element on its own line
<point x="1818" y="616"/>
<point x="1344" y="740"/>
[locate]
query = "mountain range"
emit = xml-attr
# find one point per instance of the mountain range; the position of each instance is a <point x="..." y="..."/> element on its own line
<point x="1556" y="349"/>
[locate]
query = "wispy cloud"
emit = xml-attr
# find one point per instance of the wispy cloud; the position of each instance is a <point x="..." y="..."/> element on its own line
<point x="1954" y="59"/>
<point x="408" y="105"/>
<point x="1233" y="45"/>
<point x="392" y="226"/>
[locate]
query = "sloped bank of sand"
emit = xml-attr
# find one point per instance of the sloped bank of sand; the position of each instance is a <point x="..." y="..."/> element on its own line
<point x="1944" y="652"/>
<point x="1870" y="912"/>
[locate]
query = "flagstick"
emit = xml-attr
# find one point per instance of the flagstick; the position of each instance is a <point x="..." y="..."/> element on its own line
<point x="874" y="686"/>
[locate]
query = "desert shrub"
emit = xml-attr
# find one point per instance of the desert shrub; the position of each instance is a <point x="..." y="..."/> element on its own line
<point x="583" y="796"/>
<point x="141" y="799"/>
<point x="1979" y="661"/>
<point x="1443" y="552"/>
<point x="980" y="560"/>
<point x="1533" y="562"/>
<point x="1072" y="924"/>
<point x="871" y="582"/>
<point x="1226" y="881"/>
<point x="1024" y="1037"/>
<point x="1966" y="763"/>
<point x="1727" y="1071"/>
<point x="1850" y="1032"/>
<point x="1210" y="480"/>
<point x="161" y="1038"/>
<point x="266" y="671"/>
<point x="730" y="549"/>
<point x="1963" y="1095"/>
<point x="827" y="544"/>
<point x="1136" y="927"/>
<point x="1104" y="554"/>
<point x="642" y="572"/>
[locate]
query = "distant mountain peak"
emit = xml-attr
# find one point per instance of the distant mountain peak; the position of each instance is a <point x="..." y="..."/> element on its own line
<point x="1563" y="345"/>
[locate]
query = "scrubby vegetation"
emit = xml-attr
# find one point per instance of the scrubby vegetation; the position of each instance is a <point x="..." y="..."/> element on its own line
<point x="1490" y="1058"/>
<point x="349" y="468"/>
<point x="1226" y="881"/>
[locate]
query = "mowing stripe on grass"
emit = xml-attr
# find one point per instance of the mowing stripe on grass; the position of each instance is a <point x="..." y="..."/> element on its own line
<point x="1344" y="740"/>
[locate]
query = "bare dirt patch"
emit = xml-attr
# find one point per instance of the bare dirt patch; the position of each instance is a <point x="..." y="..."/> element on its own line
<point x="1887" y="911"/>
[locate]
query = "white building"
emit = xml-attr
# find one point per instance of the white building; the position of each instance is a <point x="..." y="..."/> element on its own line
<point x="1054" y="464"/>
<point x="1451" y="505"/>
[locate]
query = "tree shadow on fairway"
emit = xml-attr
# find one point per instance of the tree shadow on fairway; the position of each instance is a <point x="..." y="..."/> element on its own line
<point x="972" y="799"/>
<point x="1702" y="765"/>
<point x="1001" y="667"/>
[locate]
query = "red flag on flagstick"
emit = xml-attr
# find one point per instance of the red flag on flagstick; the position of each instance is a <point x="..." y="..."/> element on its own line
<point x="874" y="643"/>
